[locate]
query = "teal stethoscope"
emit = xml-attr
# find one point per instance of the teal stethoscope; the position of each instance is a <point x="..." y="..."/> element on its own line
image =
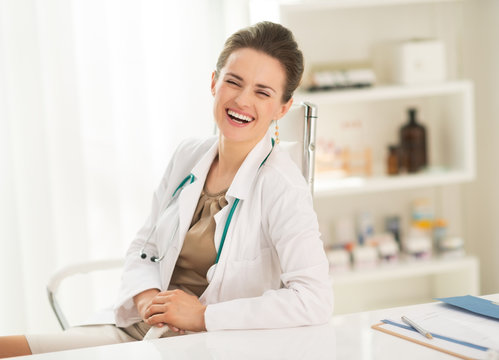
<point x="189" y="179"/>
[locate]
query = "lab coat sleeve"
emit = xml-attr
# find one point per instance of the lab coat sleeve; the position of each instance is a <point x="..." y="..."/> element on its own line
<point x="141" y="274"/>
<point x="306" y="297"/>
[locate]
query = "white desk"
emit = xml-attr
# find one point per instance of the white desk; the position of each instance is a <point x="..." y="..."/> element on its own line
<point x="344" y="337"/>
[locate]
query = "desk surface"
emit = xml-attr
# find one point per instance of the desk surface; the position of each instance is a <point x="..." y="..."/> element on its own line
<point x="344" y="337"/>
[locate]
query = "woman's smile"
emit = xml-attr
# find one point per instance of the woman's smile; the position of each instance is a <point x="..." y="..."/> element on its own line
<point x="239" y="118"/>
<point x="248" y="96"/>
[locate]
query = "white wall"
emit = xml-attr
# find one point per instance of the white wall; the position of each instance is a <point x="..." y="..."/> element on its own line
<point x="94" y="97"/>
<point x="481" y="63"/>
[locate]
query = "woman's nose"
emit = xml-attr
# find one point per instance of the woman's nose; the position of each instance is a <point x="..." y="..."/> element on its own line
<point x="243" y="98"/>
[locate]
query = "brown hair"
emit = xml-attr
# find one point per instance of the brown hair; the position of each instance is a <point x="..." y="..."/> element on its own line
<point x="274" y="40"/>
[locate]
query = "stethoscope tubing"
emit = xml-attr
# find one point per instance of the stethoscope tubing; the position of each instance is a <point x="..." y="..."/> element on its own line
<point x="153" y="258"/>
<point x="226" y="228"/>
<point x="191" y="178"/>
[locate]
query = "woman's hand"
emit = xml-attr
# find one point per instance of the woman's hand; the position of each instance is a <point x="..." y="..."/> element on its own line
<point x="143" y="300"/>
<point x="177" y="309"/>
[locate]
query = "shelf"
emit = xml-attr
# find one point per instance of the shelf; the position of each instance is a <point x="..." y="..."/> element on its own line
<point x="405" y="283"/>
<point x="405" y="269"/>
<point x="451" y="103"/>
<point x="371" y="118"/>
<point x="387" y="92"/>
<point x="314" y="5"/>
<point x="356" y="185"/>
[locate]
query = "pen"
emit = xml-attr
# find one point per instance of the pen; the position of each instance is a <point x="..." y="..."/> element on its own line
<point x="417" y="327"/>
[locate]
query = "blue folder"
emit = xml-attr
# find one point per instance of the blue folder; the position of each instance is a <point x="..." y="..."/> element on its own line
<point x="474" y="304"/>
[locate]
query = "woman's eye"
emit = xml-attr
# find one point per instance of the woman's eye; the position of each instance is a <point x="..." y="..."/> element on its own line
<point x="263" y="93"/>
<point x="232" y="82"/>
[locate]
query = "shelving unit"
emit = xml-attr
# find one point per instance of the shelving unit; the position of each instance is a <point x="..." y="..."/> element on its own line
<point x="406" y="269"/>
<point x="358" y="31"/>
<point x="454" y="99"/>
<point x="385" y="92"/>
<point x="405" y="283"/>
<point x="324" y="187"/>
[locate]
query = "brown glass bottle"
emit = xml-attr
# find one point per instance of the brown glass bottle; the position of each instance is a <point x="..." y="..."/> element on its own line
<point x="393" y="160"/>
<point x="413" y="144"/>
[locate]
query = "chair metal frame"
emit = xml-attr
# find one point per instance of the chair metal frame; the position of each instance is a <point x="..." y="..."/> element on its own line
<point x="309" y="138"/>
<point x="71" y="270"/>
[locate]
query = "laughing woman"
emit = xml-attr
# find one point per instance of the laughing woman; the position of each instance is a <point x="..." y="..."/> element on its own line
<point x="232" y="240"/>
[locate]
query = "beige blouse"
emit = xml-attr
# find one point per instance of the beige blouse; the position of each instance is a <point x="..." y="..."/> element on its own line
<point x="198" y="251"/>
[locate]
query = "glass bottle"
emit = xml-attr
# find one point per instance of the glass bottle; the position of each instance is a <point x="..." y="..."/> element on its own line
<point x="392" y="161"/>
<point x="413" y="144"/>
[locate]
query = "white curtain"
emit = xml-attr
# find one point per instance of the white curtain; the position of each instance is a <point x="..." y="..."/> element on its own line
<point x="94" y="97"/>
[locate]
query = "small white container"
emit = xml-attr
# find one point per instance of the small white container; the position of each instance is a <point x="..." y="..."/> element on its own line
<point x="339" y="260"/>
<point x="388" y="248"/>
<point x="365" y="257"/>
<point x="418" y="247"/>
<point x="419" y="61"/>
<point x="452" y="247"/>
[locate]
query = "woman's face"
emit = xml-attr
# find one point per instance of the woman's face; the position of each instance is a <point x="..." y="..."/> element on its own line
<point x="248" y="95"/>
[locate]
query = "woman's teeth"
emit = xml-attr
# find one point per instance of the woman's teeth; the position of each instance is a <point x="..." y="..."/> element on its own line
<point x="239" y="118"/>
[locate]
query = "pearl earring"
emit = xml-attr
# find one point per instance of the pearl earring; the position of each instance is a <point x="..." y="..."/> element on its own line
<point x="276" y="132"/>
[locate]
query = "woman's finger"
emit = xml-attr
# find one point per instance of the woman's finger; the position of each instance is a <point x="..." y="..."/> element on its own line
<point x="160" y="299"/>
<point x="156" y="319"/>
<point x="173" y="328"/>
<point x="154" y="310"/>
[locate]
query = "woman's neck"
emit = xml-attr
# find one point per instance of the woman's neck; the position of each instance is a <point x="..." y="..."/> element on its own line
<point x="230" y="157"/>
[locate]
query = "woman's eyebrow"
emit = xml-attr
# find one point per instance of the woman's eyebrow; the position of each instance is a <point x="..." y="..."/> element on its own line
<point x="235" y="75"/>
<point x="262" y="86"/>
<point x="265" y="87"/>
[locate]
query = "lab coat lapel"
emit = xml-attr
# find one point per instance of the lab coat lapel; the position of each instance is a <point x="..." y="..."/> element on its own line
<point x="241" y="185"/>
<point x="189" y="196"/>
<point x="240" y="189"/>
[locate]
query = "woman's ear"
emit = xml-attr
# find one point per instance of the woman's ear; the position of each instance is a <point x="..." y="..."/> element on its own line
<point x="213" y="82"/>
<point x="284" y="109"/>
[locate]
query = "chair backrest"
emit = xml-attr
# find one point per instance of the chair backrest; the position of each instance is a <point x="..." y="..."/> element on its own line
<point x="297" y="137"/>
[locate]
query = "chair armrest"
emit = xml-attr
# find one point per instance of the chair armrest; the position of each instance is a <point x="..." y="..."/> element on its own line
<point x="71" y="270"/>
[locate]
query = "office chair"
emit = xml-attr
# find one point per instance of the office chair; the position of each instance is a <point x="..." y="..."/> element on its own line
<point x="297" y="137"/>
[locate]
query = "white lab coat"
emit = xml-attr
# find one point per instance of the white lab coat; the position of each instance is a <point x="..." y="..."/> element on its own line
<point x="272" y="272"/>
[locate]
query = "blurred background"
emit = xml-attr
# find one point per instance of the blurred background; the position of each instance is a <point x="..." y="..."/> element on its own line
<point x="95" y="96"/>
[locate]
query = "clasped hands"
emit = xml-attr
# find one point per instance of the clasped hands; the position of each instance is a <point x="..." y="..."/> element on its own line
<point x="174" y="308"/>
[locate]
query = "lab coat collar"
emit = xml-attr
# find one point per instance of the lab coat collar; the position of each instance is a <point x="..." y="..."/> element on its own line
<point x="200" y="170"/>
<point x="241" y="184"/>
<point x="189" y="197"/>
<point x="247" y="172"/>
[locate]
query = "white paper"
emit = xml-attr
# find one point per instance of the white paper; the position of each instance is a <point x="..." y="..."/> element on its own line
<point x="443" y="344"/>
<point x="454" y="323"/>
